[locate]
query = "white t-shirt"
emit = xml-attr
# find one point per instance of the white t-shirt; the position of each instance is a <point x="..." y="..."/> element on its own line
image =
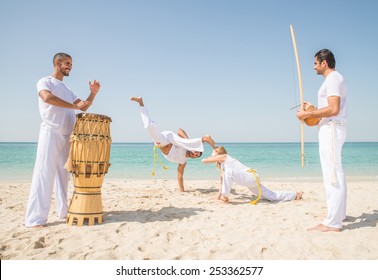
<point x="334" y="85"/>
<point x="176" y="154"/>
<point x="54" y="118"/>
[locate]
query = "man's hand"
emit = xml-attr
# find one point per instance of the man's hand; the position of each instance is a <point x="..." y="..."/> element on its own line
<point x="83" y="105"/>
<point x="301" y="113"/>
<point x="95" y="87"/>
<point x="305" y="105"/>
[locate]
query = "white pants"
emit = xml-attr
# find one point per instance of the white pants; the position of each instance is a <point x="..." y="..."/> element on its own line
<point x="331" y="141"/>
<point x="168" y="137"/>
<point x="246" y="179"/>
<point x="52" y="154"/>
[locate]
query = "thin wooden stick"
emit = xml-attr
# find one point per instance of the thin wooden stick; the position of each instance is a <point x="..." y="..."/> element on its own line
<point x="300" y="90"/>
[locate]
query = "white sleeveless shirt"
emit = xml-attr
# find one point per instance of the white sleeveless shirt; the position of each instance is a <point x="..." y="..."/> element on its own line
<point x="176" y="154"/>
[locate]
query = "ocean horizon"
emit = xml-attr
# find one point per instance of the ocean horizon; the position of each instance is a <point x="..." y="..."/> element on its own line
<point x="272" y="160"/>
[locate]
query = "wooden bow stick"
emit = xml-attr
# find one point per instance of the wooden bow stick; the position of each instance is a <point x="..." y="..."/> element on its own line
<point x="300" y="90"/>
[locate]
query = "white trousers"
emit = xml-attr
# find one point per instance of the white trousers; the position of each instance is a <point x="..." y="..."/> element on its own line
<point x="168" y="137"/>
<point x="331" y="141"/>
<point x="246" y="179"/>
<point x="52" y="154"/>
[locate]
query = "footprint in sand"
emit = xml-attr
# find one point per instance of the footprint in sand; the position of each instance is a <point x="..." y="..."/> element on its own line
<point x="40" y="243"/>
<point x="169" y="236"/>
<point x="118" y="230"/>
<point x="4" y="248"/>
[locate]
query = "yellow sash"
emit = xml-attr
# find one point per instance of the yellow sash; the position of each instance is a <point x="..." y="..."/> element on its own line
<point x="253" y="172"/>
<point x="157" y="157"/>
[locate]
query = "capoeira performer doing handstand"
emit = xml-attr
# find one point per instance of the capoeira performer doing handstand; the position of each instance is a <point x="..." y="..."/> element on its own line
<point x="233" y="170"/>
<point x="175" y="147"/>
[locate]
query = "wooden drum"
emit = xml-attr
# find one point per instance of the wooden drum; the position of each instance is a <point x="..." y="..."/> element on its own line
<point x="88" y="162"/>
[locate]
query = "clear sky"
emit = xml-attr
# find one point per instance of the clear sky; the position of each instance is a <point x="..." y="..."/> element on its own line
<point x="224" y="67"/>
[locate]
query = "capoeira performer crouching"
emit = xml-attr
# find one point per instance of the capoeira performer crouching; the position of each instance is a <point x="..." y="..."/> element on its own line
<point x="233" y="170"/>
<point x="175" y="147"/>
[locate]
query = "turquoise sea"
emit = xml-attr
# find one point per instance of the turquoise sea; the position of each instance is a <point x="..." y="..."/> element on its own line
<point x="273" y="161"/>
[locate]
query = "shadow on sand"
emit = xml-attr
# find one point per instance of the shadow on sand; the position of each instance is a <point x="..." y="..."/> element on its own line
<point x="147" y="216"/>
<point x="365" y="220"/>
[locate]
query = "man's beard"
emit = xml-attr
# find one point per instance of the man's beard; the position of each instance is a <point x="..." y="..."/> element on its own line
<point x="65" y="73"/>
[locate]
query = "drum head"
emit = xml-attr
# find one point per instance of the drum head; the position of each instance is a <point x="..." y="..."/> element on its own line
<point x="94" y="117"/>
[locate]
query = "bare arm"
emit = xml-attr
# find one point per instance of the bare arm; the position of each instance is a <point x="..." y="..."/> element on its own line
<point x="94" y="88"/>
<point x="331" y="110"/>
<point x="180" y="176"/>
<point x="52" y="99"/>
<point x="219" y="194"/>
<point x="217" y="158"/>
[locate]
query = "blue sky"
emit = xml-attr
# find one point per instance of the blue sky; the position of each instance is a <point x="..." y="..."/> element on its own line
<point x="221" y="67"/>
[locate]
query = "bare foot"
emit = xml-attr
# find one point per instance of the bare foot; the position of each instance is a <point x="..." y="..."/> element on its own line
<point x="225" y="199"/>
<point x="209" y="140"/>
<point x="138" y="100"/>
<point x="323" y="228"/>
<point x="298" y="195"/>
<point x="217" y="197"/>
<point x="221" y="201"/>
<point x="39" y="226"/>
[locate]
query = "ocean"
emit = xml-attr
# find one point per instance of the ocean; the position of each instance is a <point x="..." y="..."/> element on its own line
<point x="273" y="161"/>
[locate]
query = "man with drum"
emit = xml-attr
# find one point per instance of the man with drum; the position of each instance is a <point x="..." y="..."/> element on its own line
<point x="57" y="105"/>
<point x="175" y="147"/>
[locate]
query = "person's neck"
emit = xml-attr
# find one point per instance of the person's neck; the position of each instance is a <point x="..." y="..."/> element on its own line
<point x="327" y="72"/>
<point x="57" y="75"/>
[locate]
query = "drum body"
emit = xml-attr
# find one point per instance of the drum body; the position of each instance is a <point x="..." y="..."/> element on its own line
<point x="88" y="162"/>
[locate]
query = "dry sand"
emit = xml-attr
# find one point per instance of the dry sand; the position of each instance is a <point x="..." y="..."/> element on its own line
<point x="151" y="220"/>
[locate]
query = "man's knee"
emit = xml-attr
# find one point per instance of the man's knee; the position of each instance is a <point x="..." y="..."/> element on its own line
<point x="182" y="133"/>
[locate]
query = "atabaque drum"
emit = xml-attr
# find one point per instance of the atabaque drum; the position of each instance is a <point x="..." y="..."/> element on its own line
<point x="88" y="162"/>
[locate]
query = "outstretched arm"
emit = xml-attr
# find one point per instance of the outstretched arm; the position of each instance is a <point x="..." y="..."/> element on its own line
<point x="213" y="159"/>
<point x="180" y="176"/>
<point x="94" y="88"/>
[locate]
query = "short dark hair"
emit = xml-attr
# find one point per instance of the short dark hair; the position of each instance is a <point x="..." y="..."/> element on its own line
<point x="328" y="56"/>
<point x="60" y="56"/>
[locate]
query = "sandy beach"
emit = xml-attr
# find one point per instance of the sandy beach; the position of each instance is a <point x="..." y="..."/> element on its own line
<point x="151" y="220"/>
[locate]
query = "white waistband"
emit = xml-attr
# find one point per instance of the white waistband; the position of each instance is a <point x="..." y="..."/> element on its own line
<point x="333" y="122"/>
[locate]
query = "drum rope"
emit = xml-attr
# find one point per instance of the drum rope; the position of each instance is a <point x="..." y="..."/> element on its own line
<point x="92" y="148"/>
